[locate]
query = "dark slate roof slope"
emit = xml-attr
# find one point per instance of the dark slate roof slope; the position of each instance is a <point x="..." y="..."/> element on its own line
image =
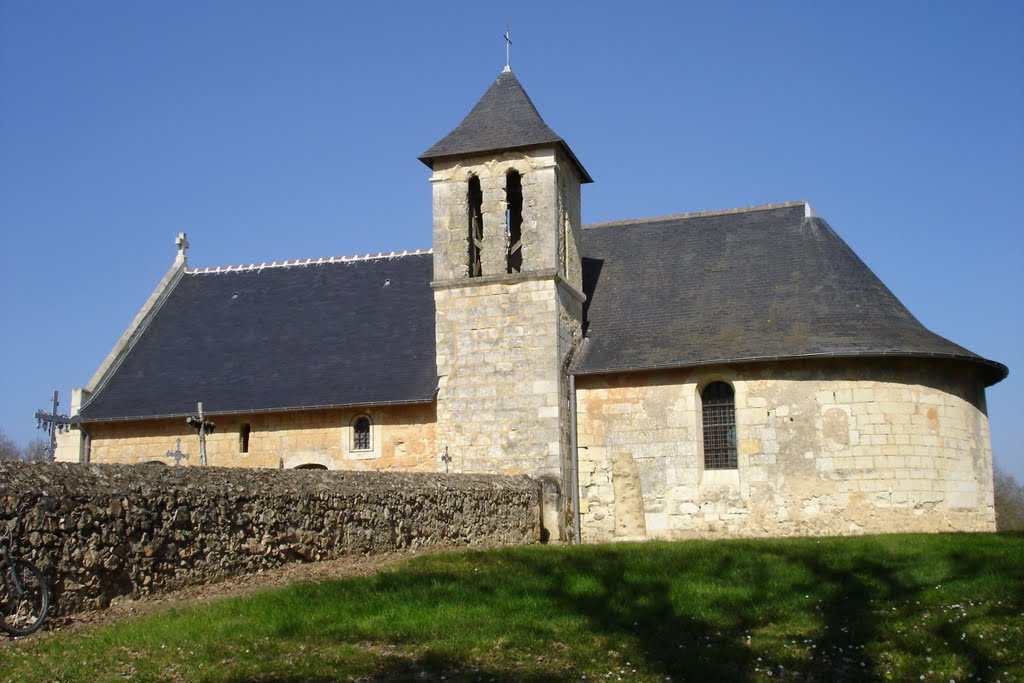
<point x="504" y="118"/>
<point x="740" y="286"/>
<point x="345" y="332"/>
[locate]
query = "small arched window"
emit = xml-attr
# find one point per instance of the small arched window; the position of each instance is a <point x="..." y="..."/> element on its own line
<point x="361" y="431"/>
<point x="311" y="466"/>
<point x="718" y="407"/>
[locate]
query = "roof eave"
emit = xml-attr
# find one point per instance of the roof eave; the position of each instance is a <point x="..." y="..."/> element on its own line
<point x="995" y="372"/>
<point x="428" y="159"/>
<point x="85" y="420"/>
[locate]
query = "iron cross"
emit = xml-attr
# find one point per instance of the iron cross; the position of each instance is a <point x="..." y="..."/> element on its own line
<point x="508" y="47"/>
<point x="54" y="424"/>
<point x="177" y="454"/>
<point x="446" y="459"/>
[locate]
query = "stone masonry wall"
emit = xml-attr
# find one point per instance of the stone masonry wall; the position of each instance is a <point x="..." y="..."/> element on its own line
<point x="504" y="339"/>
<point x="542" y="208"/>
<point x="498" y="367"/>
<point x="99" y="532"/>
<point x="402" y="440"/>
<point x="843" y="447"/>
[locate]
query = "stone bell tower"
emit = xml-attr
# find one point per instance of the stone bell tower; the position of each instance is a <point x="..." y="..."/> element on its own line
<point x="507" y="290"/>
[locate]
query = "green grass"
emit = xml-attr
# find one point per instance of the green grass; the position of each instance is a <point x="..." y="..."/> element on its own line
<point x="905" y="608"/>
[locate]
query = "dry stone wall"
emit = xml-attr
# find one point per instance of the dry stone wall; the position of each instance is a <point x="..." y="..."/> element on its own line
<point x="103" y="531"/>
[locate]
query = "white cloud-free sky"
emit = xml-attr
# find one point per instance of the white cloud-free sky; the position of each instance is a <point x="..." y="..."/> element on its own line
<point x="273" y="130"/>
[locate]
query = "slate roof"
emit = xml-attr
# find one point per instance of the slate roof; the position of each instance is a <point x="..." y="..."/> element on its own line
<point x="762" y="284"/>
<point x="681" y="291"/>
<point x="351" y="332"/>
<point x="504" y="118"/>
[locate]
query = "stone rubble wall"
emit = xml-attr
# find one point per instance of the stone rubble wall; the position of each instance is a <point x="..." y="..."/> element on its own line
<point x="99" y="532"/>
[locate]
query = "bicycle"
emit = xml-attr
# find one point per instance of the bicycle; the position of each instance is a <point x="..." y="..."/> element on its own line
<point x="24" y="595"/>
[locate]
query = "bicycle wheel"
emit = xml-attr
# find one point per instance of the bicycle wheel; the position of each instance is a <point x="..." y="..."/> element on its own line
<point x="23" y="603"/>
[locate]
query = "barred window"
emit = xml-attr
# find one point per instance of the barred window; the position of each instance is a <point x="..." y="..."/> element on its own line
<point x="361" y="434"/>
<point x="719" y="411"/>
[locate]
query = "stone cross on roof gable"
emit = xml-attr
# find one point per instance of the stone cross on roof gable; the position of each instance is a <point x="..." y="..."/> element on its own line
<point x="182" y="244"/>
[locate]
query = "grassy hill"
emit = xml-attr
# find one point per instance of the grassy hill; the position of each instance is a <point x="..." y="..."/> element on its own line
<point x="905" y="608"/>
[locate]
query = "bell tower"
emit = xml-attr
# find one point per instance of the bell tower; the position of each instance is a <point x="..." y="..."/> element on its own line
<point x="507" y="290"/>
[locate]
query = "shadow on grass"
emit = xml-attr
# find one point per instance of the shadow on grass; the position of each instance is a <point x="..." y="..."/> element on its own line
<point x="658" y="609"/>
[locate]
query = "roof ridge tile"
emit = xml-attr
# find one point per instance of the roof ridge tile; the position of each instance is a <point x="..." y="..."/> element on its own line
<point x="310" y="261"/>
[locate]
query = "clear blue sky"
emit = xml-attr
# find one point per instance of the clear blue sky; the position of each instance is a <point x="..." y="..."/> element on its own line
<point x="278" y="130"/>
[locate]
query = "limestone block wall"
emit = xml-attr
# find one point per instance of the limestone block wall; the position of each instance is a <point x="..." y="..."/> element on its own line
<point x="569" y="214"/>
<point x="551" y="214"/>
<point x="99" y="532"/>
<point x="500" y="351"/>
<point x="402" y="439"/>
<point x="844" y="447"/>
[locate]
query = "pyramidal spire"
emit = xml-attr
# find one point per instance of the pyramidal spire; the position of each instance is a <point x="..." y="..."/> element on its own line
<point x="504" y="118"/>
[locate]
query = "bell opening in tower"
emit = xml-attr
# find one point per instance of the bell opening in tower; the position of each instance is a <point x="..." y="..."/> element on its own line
<point x="514" y="221"/>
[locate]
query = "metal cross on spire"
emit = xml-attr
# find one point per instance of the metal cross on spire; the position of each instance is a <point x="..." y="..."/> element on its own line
<point x="508" y="47"/>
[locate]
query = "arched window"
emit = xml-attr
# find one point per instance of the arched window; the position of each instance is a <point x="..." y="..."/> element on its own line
<point x="361" y="430"/>
<point x="311" y="466"/>
<point x="514" y="220"/>
<point x="475" y="201"/>
<point x="718" y="406"/>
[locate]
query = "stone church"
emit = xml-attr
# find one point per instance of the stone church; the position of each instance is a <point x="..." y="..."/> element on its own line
<point x="725" y="373"/>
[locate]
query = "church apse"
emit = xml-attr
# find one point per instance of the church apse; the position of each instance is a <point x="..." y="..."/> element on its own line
<point x="831" y="448"/>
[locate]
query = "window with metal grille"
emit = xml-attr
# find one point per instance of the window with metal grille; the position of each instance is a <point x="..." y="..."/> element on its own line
<point x="719" y="411"/>
<point x="361" y="434"/>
